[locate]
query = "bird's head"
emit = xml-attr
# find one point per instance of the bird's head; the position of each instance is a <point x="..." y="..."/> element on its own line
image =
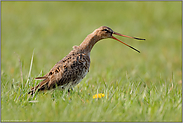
<point x="106" y="32"/>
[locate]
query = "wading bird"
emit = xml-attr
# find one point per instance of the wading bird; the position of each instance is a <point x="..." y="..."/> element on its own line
<point x="69" y="71"/>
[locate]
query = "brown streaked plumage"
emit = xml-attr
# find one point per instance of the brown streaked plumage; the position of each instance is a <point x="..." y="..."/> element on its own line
<point x="69" y="71"/>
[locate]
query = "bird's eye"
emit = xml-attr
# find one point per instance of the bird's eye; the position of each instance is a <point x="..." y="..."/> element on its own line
<point x="106" y="30"/>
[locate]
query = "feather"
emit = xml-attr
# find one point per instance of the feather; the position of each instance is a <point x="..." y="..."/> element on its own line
<point x="44" y="77"/>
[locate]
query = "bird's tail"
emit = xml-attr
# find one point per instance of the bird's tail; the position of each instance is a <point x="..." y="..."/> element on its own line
<point x="40" y="86"/>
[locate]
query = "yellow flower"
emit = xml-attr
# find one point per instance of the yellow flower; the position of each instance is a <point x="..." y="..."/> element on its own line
<point x="98" y="95"/>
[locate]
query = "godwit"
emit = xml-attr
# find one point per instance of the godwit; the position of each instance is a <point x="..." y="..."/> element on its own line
<point x="69" y="71"/>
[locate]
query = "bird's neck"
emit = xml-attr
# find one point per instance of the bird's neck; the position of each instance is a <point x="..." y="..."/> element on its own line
<point x="89" y="42"/>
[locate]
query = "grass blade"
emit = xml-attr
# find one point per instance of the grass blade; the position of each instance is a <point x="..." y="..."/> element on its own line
<point x="30" y="69"/>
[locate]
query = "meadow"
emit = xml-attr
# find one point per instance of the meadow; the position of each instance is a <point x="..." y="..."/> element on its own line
<point x="144" y="86"/>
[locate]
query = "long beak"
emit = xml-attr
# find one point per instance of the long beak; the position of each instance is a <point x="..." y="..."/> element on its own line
<point x="127" y="37"/>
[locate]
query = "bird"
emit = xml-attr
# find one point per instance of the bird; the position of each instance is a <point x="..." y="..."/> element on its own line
<point x="69" y="71"/>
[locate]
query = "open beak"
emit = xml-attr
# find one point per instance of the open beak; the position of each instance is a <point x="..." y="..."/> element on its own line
<point x="127" y="37"/>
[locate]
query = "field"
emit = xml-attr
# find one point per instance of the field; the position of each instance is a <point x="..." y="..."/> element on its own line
<point x="137" y="87"/>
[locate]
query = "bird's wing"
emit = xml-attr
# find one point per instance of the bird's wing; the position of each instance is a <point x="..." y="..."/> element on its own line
<point x="66" y="70"/>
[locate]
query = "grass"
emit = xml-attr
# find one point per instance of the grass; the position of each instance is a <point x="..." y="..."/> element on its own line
<point x="137" y="87"/>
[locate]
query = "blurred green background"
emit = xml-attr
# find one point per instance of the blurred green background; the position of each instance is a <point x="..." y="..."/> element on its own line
<point x="50" y="29"/>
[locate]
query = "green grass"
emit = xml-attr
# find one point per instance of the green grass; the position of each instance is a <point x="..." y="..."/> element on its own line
<point x="137" y="87"/>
